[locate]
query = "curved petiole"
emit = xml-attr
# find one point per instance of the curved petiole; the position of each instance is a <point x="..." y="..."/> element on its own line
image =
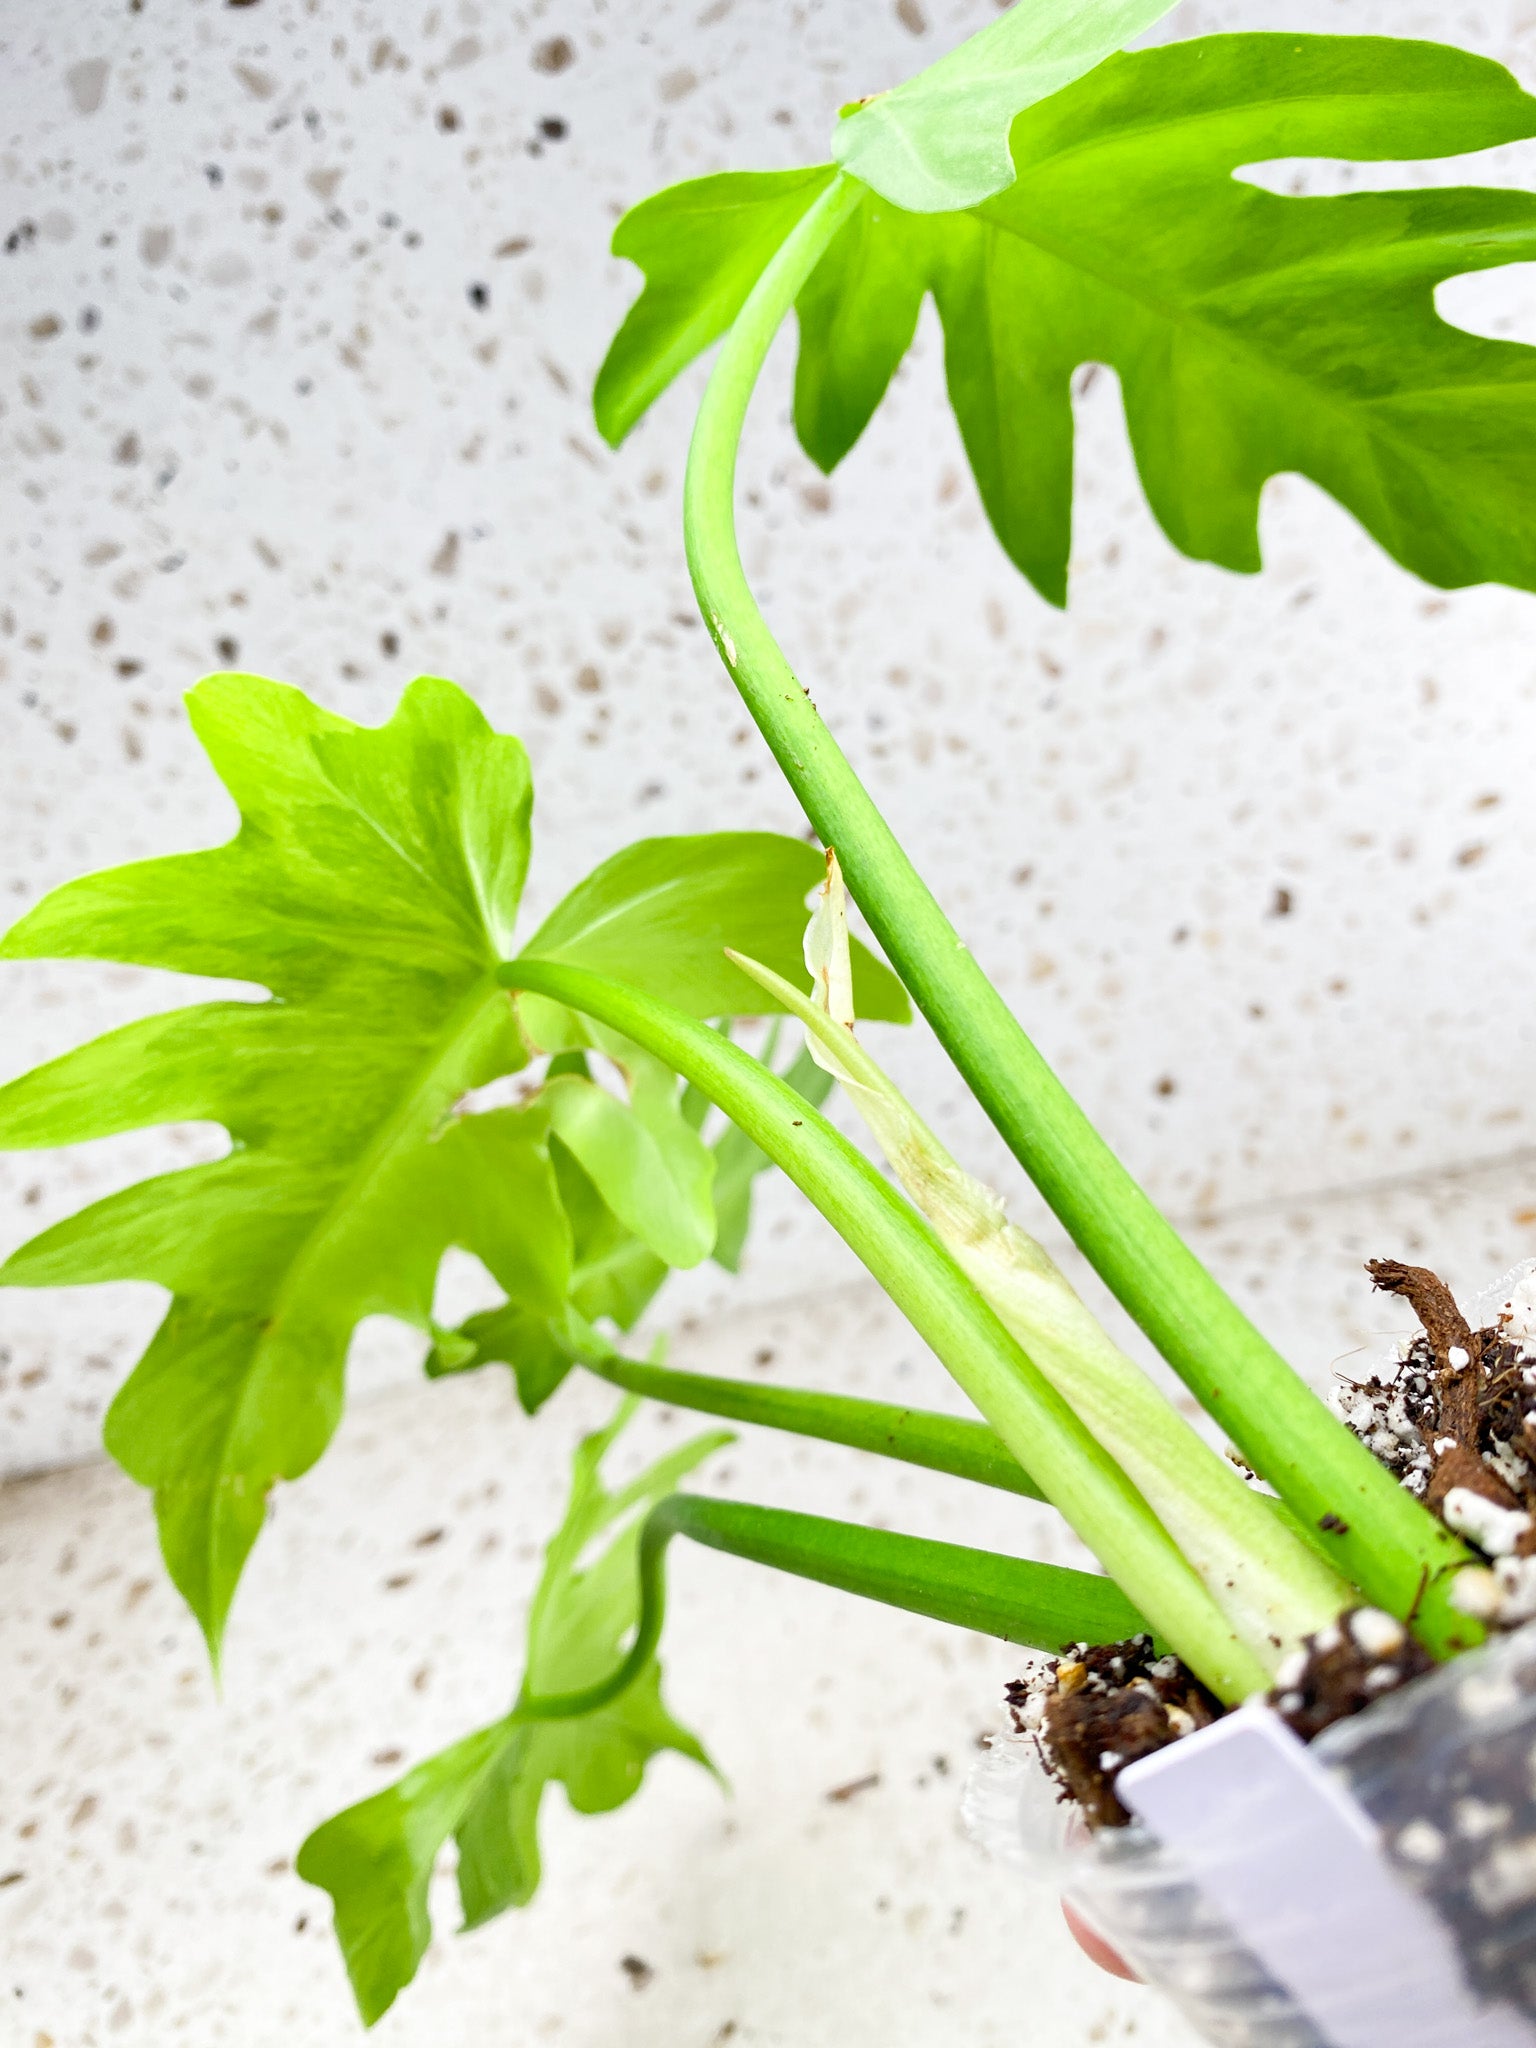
<point x="1381" y="1538"/>
<point x="1039" y="1606"/>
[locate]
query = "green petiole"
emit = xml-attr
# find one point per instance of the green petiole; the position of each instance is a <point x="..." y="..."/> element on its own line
<point x="1073" y="1471"/>
<point x="952" y="1444"/>
<point x="1271" y="1585"/>
<point x="1382" y="1539"/>
<point x="940" y="1443"/>
<point x="1038" y="1606"/>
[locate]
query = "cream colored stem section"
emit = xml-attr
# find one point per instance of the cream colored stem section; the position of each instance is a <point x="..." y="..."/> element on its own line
<point x="1271" y="1586"/>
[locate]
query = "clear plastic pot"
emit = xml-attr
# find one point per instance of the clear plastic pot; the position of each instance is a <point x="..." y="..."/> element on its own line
<point x="1434" y="1786"/>
<point x="1130" y="1890"/>
<point x="1437" y="1781"/>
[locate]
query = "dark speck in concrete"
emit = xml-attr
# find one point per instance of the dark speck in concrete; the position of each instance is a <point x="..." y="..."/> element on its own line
<point x="261" y="85"/>
<point x="87" y="82"/>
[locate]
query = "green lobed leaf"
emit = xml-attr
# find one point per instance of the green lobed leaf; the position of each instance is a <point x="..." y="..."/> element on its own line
<point x="372" y="889"/>
<point x="660" y="913"/>
<point x="348" y="1175"/>
<point x="590" y="1714"/>
<point x="376" y="1858"/>
<point x="702" y="247"/>
<point x="940" y="141"/>
<point x="1253" y="334"/>
<point x="649" y="1165"/>
<point x="614" y="1274"/>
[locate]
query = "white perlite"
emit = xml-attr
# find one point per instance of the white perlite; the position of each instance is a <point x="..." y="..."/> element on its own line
<point x="1494" y="1530"/>
<point x="1421" y="1842"/>
<point x="1508" y="1877"/>
<point x="1504" y="1594"/>
<point x="1376" y="1633"/>
<point x="1517" y="1310"/>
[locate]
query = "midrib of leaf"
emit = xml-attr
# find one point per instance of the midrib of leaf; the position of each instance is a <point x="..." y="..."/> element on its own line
<point x="408" y="1114"/>
<point x="478" y="931"/>
<point x="355" y="1189"/>
<point x="1232" y="343"/>
<point x="630" y="905"/>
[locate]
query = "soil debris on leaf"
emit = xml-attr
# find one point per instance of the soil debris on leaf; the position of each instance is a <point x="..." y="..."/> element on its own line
<point x="1095" y="1709"/>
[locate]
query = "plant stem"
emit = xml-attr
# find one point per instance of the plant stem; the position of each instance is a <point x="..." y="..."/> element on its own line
<point x="1040" y="1606"/>
<point x="1074" y="1473"/>
<point x="940" y="1443"/>
<point x="1268" y="1581"/>
<point x="1381" y="1538"/>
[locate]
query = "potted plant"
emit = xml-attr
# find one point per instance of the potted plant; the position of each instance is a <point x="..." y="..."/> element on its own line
<point x="1063" y="202"/>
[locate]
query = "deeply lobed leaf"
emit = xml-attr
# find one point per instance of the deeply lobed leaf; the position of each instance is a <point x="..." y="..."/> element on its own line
<point x="346" y="1179"/>
<point x="593" y="1672"/>
<point x="376" y="1858"/>
<point x="372" y="889"/>
<point x="1253" y="334"/>
<point x="702" y="247"/>
<point x="615" y="1274"/>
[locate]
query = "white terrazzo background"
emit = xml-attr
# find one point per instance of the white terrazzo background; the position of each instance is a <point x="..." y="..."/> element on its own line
<point x="1244" y="852"/>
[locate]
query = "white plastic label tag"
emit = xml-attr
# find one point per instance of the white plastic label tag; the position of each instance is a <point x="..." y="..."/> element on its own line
<point x="1294" y="1866"/>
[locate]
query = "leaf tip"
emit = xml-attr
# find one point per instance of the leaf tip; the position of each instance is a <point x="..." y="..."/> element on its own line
<point x="608" y="416"/>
